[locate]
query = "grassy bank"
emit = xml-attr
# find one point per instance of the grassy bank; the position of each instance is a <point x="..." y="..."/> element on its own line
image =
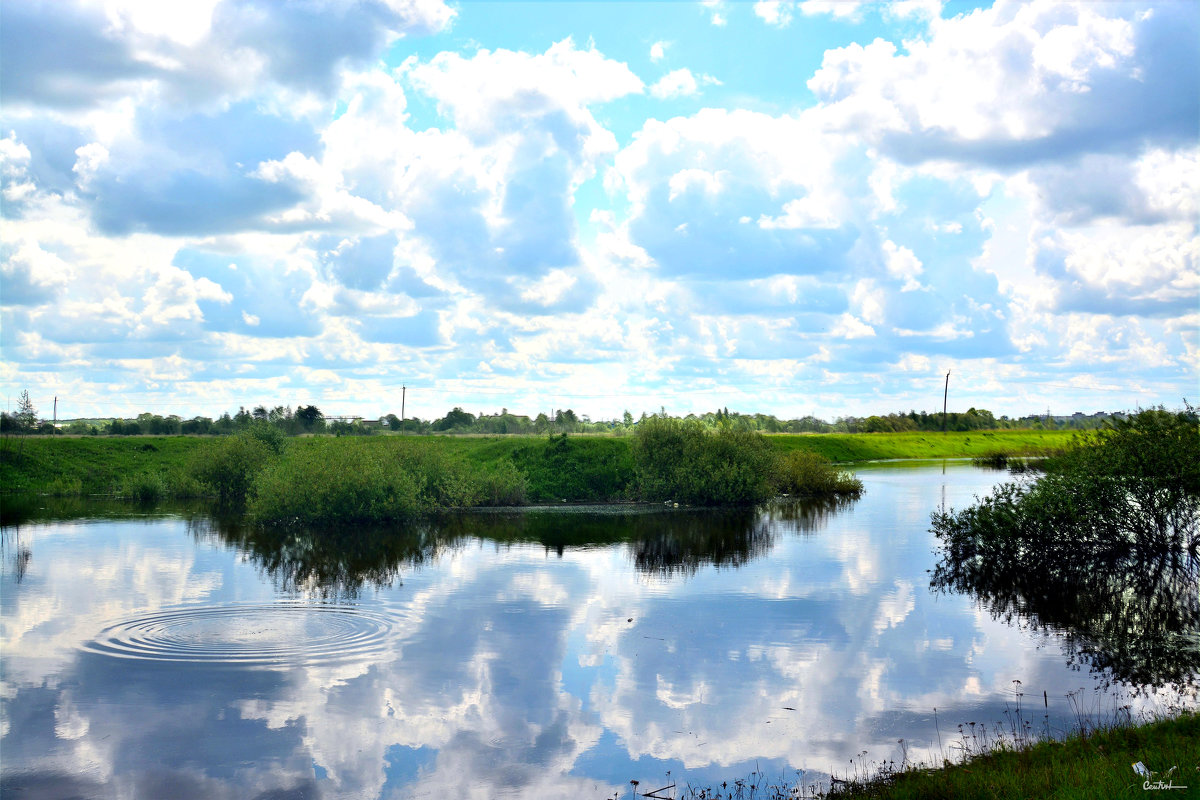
<point x="574" y="469"/>
<point x="1098" y="764"/>
<point x="1091" y="764"/>
<point x="75" y="466"/>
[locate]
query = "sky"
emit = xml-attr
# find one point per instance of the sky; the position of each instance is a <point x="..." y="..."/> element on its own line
<point x="781" y="207"/>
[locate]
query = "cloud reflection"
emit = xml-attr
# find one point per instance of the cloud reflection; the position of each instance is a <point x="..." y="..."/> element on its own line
<point x="556" y="655"/>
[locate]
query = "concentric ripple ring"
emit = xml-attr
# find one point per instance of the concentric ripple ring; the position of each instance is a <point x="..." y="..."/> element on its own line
<point x="257" y="635"/>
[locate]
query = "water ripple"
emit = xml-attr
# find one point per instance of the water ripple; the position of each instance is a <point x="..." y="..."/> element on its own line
<point x="258" y="635"/>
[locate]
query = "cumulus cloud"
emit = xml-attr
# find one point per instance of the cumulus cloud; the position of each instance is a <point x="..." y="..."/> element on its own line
<point x="699" y="185"/>
<point x="1018" y="83"/>
<point x="87" y="54"/>
<point x="959" y="189"/>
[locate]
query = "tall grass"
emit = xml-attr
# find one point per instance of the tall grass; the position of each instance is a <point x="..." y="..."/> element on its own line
<point x="681" y="460"/>
<point x="367" y="481"/>
<point x="334" y="480"/>
<point x="227" y="467"/>
<point x="800" y="472"/>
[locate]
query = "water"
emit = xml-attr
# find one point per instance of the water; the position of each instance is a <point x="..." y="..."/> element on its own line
<point x="499" y="655"/>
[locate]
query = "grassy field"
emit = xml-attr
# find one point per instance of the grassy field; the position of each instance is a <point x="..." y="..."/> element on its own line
<point x="581" y="469"/>
<point x="851" y="447"/>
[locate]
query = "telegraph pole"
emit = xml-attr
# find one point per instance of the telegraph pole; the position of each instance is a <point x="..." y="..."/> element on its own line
<point x="56" y="411"/>
<point x="945" y="396"/>
<point x="403" y="397"/>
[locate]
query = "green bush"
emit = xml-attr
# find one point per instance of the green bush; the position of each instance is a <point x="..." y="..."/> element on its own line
<point x="575" y="468"/>
<point x="1104" y="547"/>
<point x="336" y="480"/>
<point x="270" y="435"/>
<point x="1131" y="487"/>
<point x="442" y="482"/>
<point x="145" y="487"/>
<point x="680" y="460"/>
<point x="504" y="485"/>
<point x="227" y="467"/>
<point x="808" y="474"/>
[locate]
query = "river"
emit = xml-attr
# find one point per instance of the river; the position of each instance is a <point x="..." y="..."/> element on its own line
<point x="166" y="653"/>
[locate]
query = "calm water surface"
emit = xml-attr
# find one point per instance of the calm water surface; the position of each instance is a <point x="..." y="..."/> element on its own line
<point x="536" y="655"/>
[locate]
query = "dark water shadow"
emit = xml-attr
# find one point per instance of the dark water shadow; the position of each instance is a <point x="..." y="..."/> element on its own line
<point x="341" y="562"/>
<point x="1133" y="620"/>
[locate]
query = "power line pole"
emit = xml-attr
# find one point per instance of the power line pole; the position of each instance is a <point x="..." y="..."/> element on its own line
<point x="403" y="397"/>
<point x="56" y="411"/>
<point x="945" y="396"/>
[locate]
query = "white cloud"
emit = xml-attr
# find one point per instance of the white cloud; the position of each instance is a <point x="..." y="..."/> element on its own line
<point x="1000" y="84"/>
<point x="902" y="263"/>
<point x="658" y="51"/>
<point x="716" y="11"/>
<point x="774" y="12"/>
<point x="676" y="83"/>
<point x="492" y="93"/>
<point x="839" y="9"/>
<point x="850" y="327"/>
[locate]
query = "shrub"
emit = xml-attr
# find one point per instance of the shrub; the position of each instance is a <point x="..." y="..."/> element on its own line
<point x="680" y="460"/>
<point x="270" y="435"/>
<point x="442" y="482"/>
<point x="808" y="474"/>
<point x="227" y="468"/>
<point x="1104" y="545"/>
<point x="579" y="468"/>
<point x="504" y="485"/>
<point x="145" y="487"/>
<point x="335" y="481"/>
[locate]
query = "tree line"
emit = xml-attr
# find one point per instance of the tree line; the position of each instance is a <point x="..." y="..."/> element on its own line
<point x="309" y="419"/>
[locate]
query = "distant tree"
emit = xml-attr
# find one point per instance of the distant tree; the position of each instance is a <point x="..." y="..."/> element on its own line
<point x="393" y="422"/>
<point x="26" y="414"/>
<point x="310" y="417"/>
<point x="456" y="418"/>
<point x="196" y="425"/>
<point x="260" y="413"/>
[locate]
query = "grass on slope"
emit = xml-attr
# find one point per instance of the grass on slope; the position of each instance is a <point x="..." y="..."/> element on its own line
<point x="846" y="447"/>
<point x="578" y="468"/>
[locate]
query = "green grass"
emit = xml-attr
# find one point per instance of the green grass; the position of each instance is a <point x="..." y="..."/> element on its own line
<point x="71" y="467"/>
<point x="1098" y="764"/>
<point x="850" y="447"/>
<point x="1095" y="763"/>
<point x="584" y="469"/>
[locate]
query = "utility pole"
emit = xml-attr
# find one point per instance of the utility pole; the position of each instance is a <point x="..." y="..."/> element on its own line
<point x="403" y="397"/>
<point x="56" y="411"/>
<point x="945" y="396"/>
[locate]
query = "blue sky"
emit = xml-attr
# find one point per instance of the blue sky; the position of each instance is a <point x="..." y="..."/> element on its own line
<point x="795" y="208"/>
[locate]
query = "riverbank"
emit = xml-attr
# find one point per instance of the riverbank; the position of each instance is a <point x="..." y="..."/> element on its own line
<point x="1092" y="763"/>
<point x="585" y="469"/>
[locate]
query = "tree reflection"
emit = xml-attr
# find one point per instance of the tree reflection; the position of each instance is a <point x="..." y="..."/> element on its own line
<point x="1133" y="620"/>
<point x="330" y="563"/>
<point x="340" y="562"/>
